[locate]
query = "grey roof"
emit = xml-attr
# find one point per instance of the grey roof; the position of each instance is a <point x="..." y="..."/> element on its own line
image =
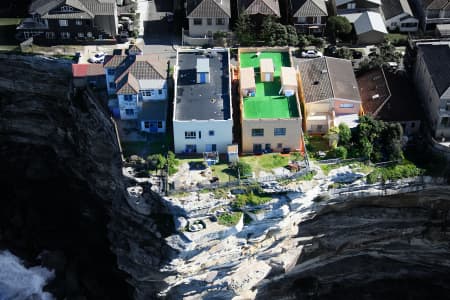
<point x="309" y="8"/>
<point x="436" y="4"/>
<point x="90" y="7"/>
<point x="112" y="61"/>
<point x="366" y="21"/>
<point x="208" y="9"/>
<point x="203" y="101"/>
<point x="153" y="110"/>
<point x="127" y="84"/>
<point x="327" y="77"/>
<point x="437" y="60"/>
<point x="392" y="8"/>
<point x="264" y="7"/>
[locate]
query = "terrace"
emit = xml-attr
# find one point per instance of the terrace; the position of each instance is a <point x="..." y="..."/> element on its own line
<point x="267" y="102"/>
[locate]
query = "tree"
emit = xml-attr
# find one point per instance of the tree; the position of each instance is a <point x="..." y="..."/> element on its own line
<point x="303" y="41"/>
<point x="156" y="162"/>
<point x="273" y="33"/>
<point x="344" y="52"/>
<point x="345" y="135"/>
<point x="244" y="30"/>
<point x="172" y="163"/>
<point x="242" y="169"/>
<point x="338" y="26"/>
<point x="292" y="37"/>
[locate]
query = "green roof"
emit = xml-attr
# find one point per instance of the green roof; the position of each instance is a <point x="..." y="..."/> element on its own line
<point x="267" y="103"/>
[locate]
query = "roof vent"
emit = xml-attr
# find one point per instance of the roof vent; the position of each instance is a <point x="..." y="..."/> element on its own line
<point x="324" y="71"/>
<point x="316" y="82"/>
<point x="375" y="97"/>
<point x="213" y="100"/>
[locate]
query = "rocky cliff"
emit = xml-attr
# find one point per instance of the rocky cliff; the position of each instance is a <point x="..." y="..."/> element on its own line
<point x="62" y="184"/>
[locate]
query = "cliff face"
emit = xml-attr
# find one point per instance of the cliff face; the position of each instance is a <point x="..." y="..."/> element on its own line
<point x="61" y="182"/>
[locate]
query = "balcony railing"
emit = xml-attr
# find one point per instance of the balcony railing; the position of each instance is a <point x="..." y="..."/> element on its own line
<point x="30" y="23"/>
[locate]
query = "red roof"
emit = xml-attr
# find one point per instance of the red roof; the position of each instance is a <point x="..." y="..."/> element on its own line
<point x="83" y="70"/>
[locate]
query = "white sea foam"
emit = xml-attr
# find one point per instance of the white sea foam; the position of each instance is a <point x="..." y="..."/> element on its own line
<point x="19" y="283"/>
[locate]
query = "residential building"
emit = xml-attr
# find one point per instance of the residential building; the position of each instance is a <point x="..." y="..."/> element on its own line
<point x="70" y="21"/>
<point x="259" y="8"/>
<point x="88" y="74"/>
<point x="329" y="93"/>
<point x="207" y="17"/>
<point x="346" y="6"/>
<point x="309" y="16"/>
<point x="398" y="15"/>
<point x="140" y="83"/>
<point x="385" y="94"/>
<point x="270" y="113"/>
<point x="202" y="118"/>
<point x="432" y="12"/>
<point x="432" y="79"/>
<point x="369" y="26"/>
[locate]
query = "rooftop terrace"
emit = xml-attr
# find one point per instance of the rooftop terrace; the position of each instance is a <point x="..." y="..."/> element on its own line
<point x="204" y="101"/>
<point x="267" y="103"/>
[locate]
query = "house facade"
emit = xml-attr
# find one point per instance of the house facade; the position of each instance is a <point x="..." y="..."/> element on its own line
<point x="398" y="15"/>
<point x="259" y="8"/>
<point x="432" y="79"/>
<point x="70" y="21"/>
<point x="271" y="118"/>
<point x="329" y="93"/>
<point x="309" y="16"/>
<point x="140" y="83"/>
<point x="206" y="17"/>
<point x="432" y="12"/>
<point x="202" y="119"/>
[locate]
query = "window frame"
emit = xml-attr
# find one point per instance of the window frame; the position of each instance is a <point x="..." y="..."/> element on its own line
<point x="63" y="23"/>
<point x="197" y="21"/>
<point x="190" y="135"/>
<point x="257" y="132"/>
<point x="280" y="131"/>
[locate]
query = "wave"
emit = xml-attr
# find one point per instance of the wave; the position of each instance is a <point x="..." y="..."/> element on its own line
<point x="19" y="283"/>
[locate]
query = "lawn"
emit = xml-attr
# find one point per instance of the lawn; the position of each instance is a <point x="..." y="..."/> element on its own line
<point x="229" y="219"/>
<point x="267" y="102"/>
<point x="157" y="144"/>
<point x="397" y="39"/>
<point x="265" y="162"/>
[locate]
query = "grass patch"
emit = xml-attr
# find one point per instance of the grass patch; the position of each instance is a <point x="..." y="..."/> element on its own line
<point x="158" y="144"/>
<point x="229" y="219"/>
<point x="10" y="21"/>
<point x="223" y="172"/>
<point x="265" y="162"/>
<point x="397" y="39"/>
<point x="250" y="198"/>
<point x="355" y="166"/>
<point x="317" y="143"/>
<point x="403" y="170"/>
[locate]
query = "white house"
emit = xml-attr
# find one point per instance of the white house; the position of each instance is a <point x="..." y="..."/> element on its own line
<point x="399" y="16"/>
<point x="369" y="26"/>
<point x="202" y="120"/>
<point x="140" y="83"/>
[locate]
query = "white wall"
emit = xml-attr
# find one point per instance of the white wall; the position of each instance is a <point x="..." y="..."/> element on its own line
<point x="202" y="30"/>
<point x="155" y="96"/>
<point x="160" y="130"/>
<point x="223" y="134"/>
<point x="395" y="23"/>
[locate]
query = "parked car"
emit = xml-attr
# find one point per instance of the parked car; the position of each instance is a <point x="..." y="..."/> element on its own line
<point x="357" y="54"/>
<point x="331" y="50"/>
<point x="97" y="58"/>
<point x="311" y="54"/>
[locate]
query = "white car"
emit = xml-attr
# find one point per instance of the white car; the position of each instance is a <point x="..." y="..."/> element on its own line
<point x="97" y="58"/>
<point x="311" y="54"/>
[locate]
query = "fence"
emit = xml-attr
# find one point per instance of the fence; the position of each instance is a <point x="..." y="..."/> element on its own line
<point x="235" y="183"/>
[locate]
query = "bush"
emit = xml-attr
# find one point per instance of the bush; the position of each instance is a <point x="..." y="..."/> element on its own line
<point x="229" y="219"/>
<point x="403" y="170"/>
<point x="250" y="198"/>
<point x="242" y="169"/>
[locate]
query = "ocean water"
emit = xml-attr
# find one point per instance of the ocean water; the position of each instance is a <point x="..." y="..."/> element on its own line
<point x="19" y="283"/>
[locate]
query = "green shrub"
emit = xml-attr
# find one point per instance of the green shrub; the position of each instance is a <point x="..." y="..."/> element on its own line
<point x="250" y="198"/>
<point x="404" y="170"/>
<point x="242" y="169"/>
<point x="229" y="219"/>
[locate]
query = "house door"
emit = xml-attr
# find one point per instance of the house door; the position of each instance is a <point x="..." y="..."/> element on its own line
<point x="257" y="148"/>
<point x="154" y="126"/>
<point x="267" y="77"/>
<point x="202" y="77"/>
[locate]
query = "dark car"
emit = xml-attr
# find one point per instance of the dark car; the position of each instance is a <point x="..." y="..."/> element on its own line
<point x="356" y="54"/>
<point x="331" y="50"/>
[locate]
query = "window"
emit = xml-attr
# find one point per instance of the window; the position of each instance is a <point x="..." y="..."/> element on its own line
<point x="129" y="112"/>
<point x="128" y="98"/>
<point x="301" y="20"/>
<point x="346" y="105"/>
<point x="80" y="34"/>
<point x="147" y="124"/>
<point x="110" y="71"/>
<point x="220" y="21"/>
<point x="50" y="35"/>
<point x="65" y="35"/>
<point x="319" y="128"/>
<point x="413" y="124"/>
<point x="190" y="135"/>
<point x="79" y="22"/>
<point x="257" y="148"/>
<point x="258" y="132"/>
<point x="199" y="134"/>
<point x="66" y="8"/>
<point x="267" y="147"/>
<point x="209" y="21"/>
<point x="197" y="21"/>
<point x="159" y="92"/>
<point x="147" y="93"/>
<point x="279" y="145"/>
<point x="112" y="85"/>
<point x="190" y="149"/>
<point x="89" y="34"/>
<point x="444" y="121"/>
<point x="279" y="131"/>
<point x="160" y="124"/>
<point x="211" y="133"/>
<point x="63" y="23"/>
<point x="210" y="147"/>
<point x="351" y="5"/>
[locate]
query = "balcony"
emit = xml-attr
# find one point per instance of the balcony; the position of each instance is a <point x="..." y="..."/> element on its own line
<point x="30" y="23"/>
